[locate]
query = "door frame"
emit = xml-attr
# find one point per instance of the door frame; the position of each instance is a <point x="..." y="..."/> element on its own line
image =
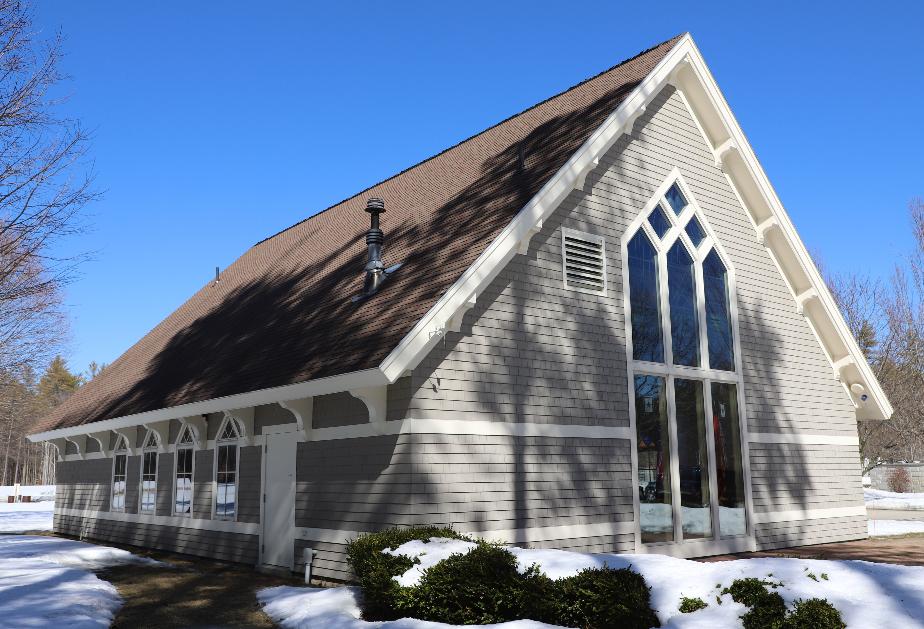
<point x="299" y="437"/>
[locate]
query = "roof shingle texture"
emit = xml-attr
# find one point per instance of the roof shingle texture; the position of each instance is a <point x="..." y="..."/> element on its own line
<point x="283" y="314"/>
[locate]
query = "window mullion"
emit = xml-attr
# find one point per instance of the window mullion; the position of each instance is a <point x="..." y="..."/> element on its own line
<point x="710" y="452"/>
<point x="701" y="313"/>
<point x="674" y="460"/>
<point x="665" y="309"/>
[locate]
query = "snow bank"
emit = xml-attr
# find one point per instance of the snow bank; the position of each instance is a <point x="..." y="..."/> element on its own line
<point x="44" y="582"/>
<point x="880" y="499"/>
<point x="21" y="517"/>
<point x="867" y="594"/>
<point x="38" y="493"/>
<point x="884" y="528"/>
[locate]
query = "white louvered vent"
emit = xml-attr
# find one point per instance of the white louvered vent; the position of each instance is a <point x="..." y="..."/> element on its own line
<point x="584" y="262"/>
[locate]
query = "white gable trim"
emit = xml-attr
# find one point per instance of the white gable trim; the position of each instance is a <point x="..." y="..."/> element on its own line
<point x="684" y="68"/>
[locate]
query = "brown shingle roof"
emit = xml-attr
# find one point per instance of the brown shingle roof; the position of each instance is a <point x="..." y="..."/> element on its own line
<point x="282" y="313"/>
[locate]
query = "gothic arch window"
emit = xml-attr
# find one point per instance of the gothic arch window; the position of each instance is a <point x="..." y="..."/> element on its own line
<point x="149" y="472"/>
<point x="685" y="373"/>
<point x="227" y="455"/>
<point x="119" y="462"/>
<point x="183" y="472"/>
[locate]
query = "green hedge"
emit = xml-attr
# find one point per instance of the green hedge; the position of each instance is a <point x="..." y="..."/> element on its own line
<point x="483" y="586"/>
<point x="768" y="610"/>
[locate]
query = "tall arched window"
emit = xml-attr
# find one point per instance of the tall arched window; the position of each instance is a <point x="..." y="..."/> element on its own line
<point x="149" y="472"/>
<point x="682" y="366"/>
<point x="119" y="463"/>
<point x="227" y="451"/>
<point x="183" y="481"/>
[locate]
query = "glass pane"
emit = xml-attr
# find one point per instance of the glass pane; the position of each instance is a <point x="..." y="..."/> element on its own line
<point x="693" y="460"/>
<point x="681" y="285"/>
<point x="729" y="474"/>
<point x="718" y="319"/>
<point x="654" y="467"/>
<point x="675" y="199"/>
<point x="695" y="232"/>
<point x="659" y="222"/>
<point x="148" y="492"/>
<point x="226" y="500"/>
<point x="643" y="297"/>
<point x="183" y="494"/>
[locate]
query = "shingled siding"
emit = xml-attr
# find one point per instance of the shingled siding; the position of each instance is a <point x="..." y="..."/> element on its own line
<point x="213" y="544"/>
<point x="532" y="351"/>
<point x="83" y="485"/>
<point x="472" y="482"/>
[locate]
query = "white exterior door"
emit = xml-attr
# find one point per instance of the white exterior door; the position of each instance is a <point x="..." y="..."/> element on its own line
<point x="279" y="508"/>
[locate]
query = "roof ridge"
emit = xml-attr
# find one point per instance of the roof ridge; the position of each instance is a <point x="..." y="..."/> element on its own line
<point x="470" y="138"/>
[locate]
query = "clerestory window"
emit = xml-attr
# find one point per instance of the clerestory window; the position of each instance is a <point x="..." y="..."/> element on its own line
<point x="684" y="372"/>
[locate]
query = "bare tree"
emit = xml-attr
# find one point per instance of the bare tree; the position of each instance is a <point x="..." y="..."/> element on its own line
<point x="44" y="186"/>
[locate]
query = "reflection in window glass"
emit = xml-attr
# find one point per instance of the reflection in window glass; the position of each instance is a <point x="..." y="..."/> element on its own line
<point x="682" y="299"/>
<point x="675" y="199"/>
<point x="692" y="459"/>
<point x="643" y="297"/>
<point x="118" y="483"/>
<point x="654" y="467"/>
<point x="695" y="232"/>
<point x="148" y="481"/>
<point x="184" y="468"/>
<point x="729" y="474"/>
<point x="718" y="319"/>
<point x="658" y="221"/>
<point x="226" y="503"/>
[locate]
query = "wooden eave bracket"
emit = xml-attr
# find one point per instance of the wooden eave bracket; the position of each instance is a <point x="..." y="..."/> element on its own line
<point x="303" y="410"/>
<point x="725" y="150"/>
<point x="376" y="401"/>
<point x="803" y="298"/>
<point x="454" y="324"/>
<point x="244" y="417"/>
<point x="523" y="246"/>
<point x="60" y="447"/>
<point x="843" y="363"/>
<point x="102" y="438"/>
<point x="765" y="227"/>
<point x="80" y="442"/>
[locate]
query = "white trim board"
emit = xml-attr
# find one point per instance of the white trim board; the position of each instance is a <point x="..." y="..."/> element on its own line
<point x="797" y="515"/>
<point x="225" y="526"/>
<point x="804" y="439"/>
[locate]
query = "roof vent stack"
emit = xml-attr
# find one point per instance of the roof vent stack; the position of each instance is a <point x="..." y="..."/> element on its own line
<point x="375" y="270"/>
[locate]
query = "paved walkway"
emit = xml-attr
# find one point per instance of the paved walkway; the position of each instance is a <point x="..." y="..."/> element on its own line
<point x="907" y="550"/>
<point x="895" y="514"/>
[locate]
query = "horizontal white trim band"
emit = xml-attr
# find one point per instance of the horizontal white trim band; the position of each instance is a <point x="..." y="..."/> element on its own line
<point x="244" y="528"/>
<point x="804" y="439"/>
<point x="470" y="427"/>
<point x="797" y="515"/>
<point x="507" y="536"/>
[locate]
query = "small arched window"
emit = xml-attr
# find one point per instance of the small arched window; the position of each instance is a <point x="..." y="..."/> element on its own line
<point x="149" y="472"/>
<point x="119" y="463"/>
<point x="227" y="454"/>
<point x="183" y="475"/>
<point x="681" y="329"/>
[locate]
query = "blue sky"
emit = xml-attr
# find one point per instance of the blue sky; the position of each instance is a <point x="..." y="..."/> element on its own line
<point x="218" y="125"/>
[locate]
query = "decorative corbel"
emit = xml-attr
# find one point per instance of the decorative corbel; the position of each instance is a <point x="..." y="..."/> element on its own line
<point x="722" y="152"/>
<point x="454" y="324"/>
<point x="303" y="410"/>
<point x="376" y="401"/>
<point x="60" y="447"/>
<point x="244" y="417"/>
<point x="129" y="440"/>
<point x="841" y="364"/>
<point x="765" y="227"/>
<point x="804" y="298"/>
<point x="582" y="178"/>
<point x="523" y="246"/>
<point x="162" y="430"/>
<point x="102" y="438"/>
<point x="629" y="126"/>
<point x="80" y="442"/>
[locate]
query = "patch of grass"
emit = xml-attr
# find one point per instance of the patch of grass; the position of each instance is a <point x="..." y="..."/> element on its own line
<point x="689" y="605"/>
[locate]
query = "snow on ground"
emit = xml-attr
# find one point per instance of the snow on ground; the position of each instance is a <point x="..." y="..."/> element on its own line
<point x="880" y="499"/>
<point x="45" y="582"/>
<point x="883" y="528"/>
<point x="867" y="594"/>
<point x="36" y="492"/>
<point x="21" y="517"/>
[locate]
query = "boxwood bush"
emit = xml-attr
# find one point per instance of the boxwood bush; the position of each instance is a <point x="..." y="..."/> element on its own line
<point x="815" y="613"/>
<point x="484" y="586"/>
<point x="375" y="570"/>
<point x="768" y="610"/>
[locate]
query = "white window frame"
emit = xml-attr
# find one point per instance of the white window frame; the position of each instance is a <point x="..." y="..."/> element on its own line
<point x="236" y="443"/>
<point x="121" y="449"/>
<point x="147" y="449"/>
<point x="192" y="473"/>
<point x="703" y="373"/>
<point x="565" y="232"/>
